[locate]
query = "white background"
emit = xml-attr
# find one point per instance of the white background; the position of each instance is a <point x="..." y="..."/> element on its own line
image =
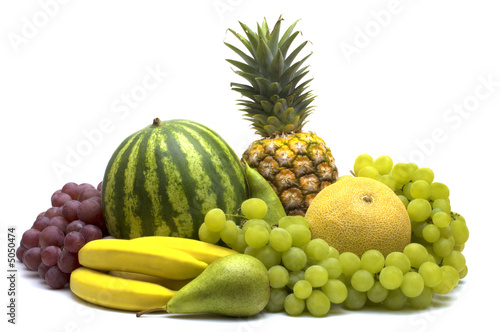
<point x="67" y="68"/>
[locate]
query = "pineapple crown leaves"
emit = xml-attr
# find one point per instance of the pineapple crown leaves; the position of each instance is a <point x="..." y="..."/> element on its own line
<point x="276" y="101"/>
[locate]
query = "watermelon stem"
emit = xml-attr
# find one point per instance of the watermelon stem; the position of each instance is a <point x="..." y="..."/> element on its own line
<point x="156" y="122"/>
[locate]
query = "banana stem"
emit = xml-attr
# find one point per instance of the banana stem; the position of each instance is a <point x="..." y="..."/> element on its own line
<point x="148" y="311"/>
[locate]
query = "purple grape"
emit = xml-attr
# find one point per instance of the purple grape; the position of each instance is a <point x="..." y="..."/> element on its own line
<point x="68" y="261"/>
<point x="75" y="225"/>
<point x="70" y="188"/>
<point x="56" y="278"/>
<point x="74" y="241"/>
<point x="59" y="199"/>
<point x="30" y="238"/>
<point x="99" y="186"/>
<point x="32" y="258"/>
<point x="91" y="232"/>
<point x="55" y="193"/>
<point x="53" y="212"/>
<point x="89" y="211"/>
<point x="89" y="193"/>
<point x="82" y="187"/>
<point x="42" y="269"/>
<point x="40" y="223"/>
<point x="41" y="214"/>
<point x="20" y="252"/>
<point x="51" y="236"/>
<point x="69" y="210"/>
<point x="50" y="255"/>
<point x="59" y="222"/>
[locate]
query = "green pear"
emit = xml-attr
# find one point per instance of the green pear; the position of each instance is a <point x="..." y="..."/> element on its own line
<point x="236" y="285"/>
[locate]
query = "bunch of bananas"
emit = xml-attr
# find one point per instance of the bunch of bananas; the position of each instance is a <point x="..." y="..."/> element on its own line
<point x="140" y="273"/>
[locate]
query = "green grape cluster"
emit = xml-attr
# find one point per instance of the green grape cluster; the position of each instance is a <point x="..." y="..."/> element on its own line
<point x="308" y="275"/>
<point x="434" y="225"/>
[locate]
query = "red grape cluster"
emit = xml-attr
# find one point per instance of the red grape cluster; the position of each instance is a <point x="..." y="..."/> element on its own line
<point x="52" y="243"/>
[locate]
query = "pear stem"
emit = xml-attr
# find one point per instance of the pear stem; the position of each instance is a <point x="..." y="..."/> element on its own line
<point x="148" y="311"/>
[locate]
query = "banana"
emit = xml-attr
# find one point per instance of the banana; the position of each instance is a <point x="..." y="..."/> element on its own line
<point x="144" y="257"/>
<point x="203" y="251"/>
<point x="260" y="188"/>
<point x="168" y="283"/>
<point x="117" y="293"/>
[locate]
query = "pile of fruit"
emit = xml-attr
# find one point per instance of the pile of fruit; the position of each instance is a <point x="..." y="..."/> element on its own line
<point x="187" y="226"/>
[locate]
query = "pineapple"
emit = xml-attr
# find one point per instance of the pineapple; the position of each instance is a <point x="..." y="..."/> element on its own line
<point x="297" y="164"/>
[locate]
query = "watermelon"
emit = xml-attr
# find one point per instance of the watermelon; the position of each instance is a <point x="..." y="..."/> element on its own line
<point x="163" y="179"/>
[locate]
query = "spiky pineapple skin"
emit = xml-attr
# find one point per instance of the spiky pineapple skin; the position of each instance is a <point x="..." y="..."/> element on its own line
<point x="296" y="165"/>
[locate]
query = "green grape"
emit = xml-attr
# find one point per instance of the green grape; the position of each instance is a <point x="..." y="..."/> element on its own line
<point x="449" y="281"/>
<point x="423" y="300"/>
<point x="251" y="251"/>
<point x="443" y="247"/>
<point x="318" y="304"/>
<point x="388" y="181"/>
<point x="399" y="260"/>
<point x="419" y="209"/>
<point x="268" y="256"/>
<point x="240" y="244"/>
<point x="229" y="233"/>
<point x="413" y="284"/>
<point x="417" y="228"/>
<point x="420" y="189"/>
<point x="435" y="210"/>
<point x="215" y="219"/>
<point x="441" y="219"/>
<point x="368" y="172"/>
<point x="383" y="164"/>
<point x="395" y="300"/>
<point x="372" y="261"/>
<point x="431" y="233"/>
<point x="362" y="280"/>
<point x="317" y="249"/>
<point x="401" y="172"/>
<point x="459" y="231"/>
<point x="439" y="190"/>
<point x="206" y="235"/>
<point x="294" y="259"/>
<point x="276" y="300"/>
<point x="317" y="275"/>
<point x="416" y="253"/>
<point x="412" y="167"/>
<point x="254" y="208"/>
<point x="333" y="252"/>
<point x="332" y="266"/>
<point x="391" y="277"/>
<point x="431" y="273"/>
<point x="456" y="259"/>
<point x="445" y="231"/>
<point x="286" y="221"/>
<point x="377" y="293"/>
<point x="256" y="236"/>
<point x="355" y="300"/>
<point x="302" y="289"/>
<point x="280" y="239"/>
<point x="443" y="204"/>
<point x="293" y="305"/>
<point x="361" y="161"/>
<point x="278" y="276"/>
<point x="294" y="276"/>
<point x="336" y="290"/>
<point x="350" y="263"/>
<point x="423" y="173"/>
<point x="301" y="235"/>
<point x="463" y="273"/>
<point x="404" y="200"/>
<point x="406" y="191"/>
<point x="256" y="222"/>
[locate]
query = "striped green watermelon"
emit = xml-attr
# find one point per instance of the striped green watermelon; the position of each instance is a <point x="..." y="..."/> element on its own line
<point x="162" y="180"/>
